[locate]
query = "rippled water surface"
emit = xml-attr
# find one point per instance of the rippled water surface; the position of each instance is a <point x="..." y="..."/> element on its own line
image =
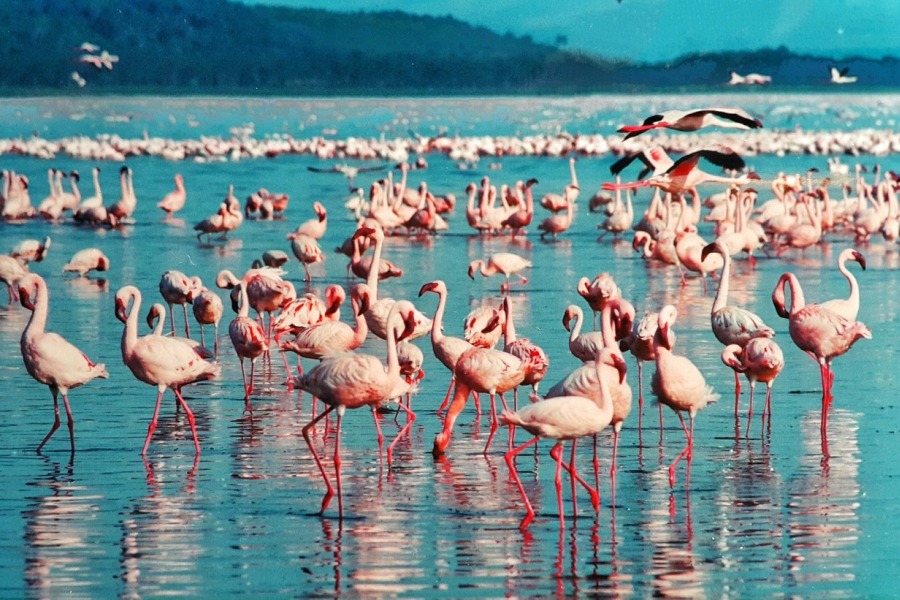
<point x="765" y="514"/>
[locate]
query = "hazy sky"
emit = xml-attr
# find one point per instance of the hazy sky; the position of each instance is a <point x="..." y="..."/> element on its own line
<point x="651" y="30"/>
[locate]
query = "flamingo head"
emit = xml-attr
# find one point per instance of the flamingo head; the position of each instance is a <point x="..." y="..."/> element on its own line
<point x="123" y="296"/>
<point x="618" y="362"/>
<point x="568" y="316"/>
<point x="858" y="257"/>
<point x="778" y="298"/>
<point x="664" y="335"/>
<point x="27" y="286"/>
<point x="226" y="280"/>
<point x="153" y="314"/>
<point x="623" y="317"/>
<point x="472" y="266"/>
<point x="363" y="297"/>
<point x="366" y="232"/>
<point x="433" y="286"/>
<point x="320" y="211"/>
<point x="335" y="296"/>
<point x="732" y="357"/>
<point x="709" y="249"/>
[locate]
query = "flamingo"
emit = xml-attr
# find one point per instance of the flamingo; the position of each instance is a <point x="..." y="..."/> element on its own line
<point x="174" y="200"/>
<point x="678" y="384"/>
<point x="352" y="380"/>
<point x="640" y="344"/>
<point x="28" y="251"/>
<point x="307" y="251"/>
<point x="522" y="218"/>
<point x="598" y="291"/>
<point x="847" y="308"/>
<point x="482" y="326"/>
<point x="446" y="349"/>
<point x="694" y="119"/>
<point x="761" y="359"/>
<point x="159" y="360"/>
<point x="617" y="316"/>
<point x="125" y="206"/>
<point x="379" y="309"/>
<point x="501" y="262"/>
<point x="840" y="76"/>
<point x="348" y="171"/>
<point x="655" y="161"/>
<point x="732" y="324"/>
<point x="330" y="337"/>
<point x="50" y="358"/>
<point x="533" y="357"/>
<point x="563" y="418"/>
<point x="11" y="271"/>
<point x="558" y="223"/>
<point x="360" y="265"/>
<point x="208" y="309"/>
<point x="684" y="175"/>
<point x="86" y="260"/>
<point x="583" y="346"/>
<point x="177" y="288"/>
<point x="821" y="333"/>
<point x="156" y="318"/>
<point x="249" y="340"/>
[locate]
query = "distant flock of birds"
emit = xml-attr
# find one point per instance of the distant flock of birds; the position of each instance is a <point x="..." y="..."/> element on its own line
<point x="94" y="56"/>
<point x="595" y="396"/>
<point x="837" y="76"/>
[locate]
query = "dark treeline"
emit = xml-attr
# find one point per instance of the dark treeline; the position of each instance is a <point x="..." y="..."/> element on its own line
<point x="217" y="46"/>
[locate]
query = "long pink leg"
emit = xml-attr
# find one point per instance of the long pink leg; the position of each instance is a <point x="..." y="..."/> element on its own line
<point x="152" y="426"/>
<point x="612" y="469"/>
<point x="216" y="342"/>
<point x="411" y="418"/>
<point x="202" y="339"/>
<point x="337" y="460"/>
<point x="70" y="421"/>
<point x="510" y="458"/>
<point x="446" y="401"/>
<point x="767" y="409"/>
<point x="556" y="453"/>
<point x="460" y="396"/>
<point x="55" y="391"/>
<point x="172" y="317"/>
<point x="737" y="393"/>
<point x="683" y="453"/>
<point x="187" y="326"/>
<point x="750" y="408"/>
<point x="190" y="416"/>
<point x="640" y="365"/>
<point x="494" y="424"/>
<point x="380" y="435"/>
<point x="329" y="491"/>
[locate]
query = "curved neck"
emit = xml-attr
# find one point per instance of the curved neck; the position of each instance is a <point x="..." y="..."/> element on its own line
<point x="572" y="172"/>
<point x="797" y="299"/>
<point x="160" y="318"/>
<point x="372" y="279"/>
<point x="606" y="325"/>
<point x="854" y="286"/>
<point x="97" y="191"/>
<point x="245" y="301"/>
<point x="722" y="293"/>
<point x="437" y="334"/>
<point x="393" y="363"/>
<point x="37" y="323"/>
<point x="576" y="328"/>
<point x="129" y="333"/>
<point x="529" y="199"/>
<point x="509" y="329"/>
<point x="362" y="326"/>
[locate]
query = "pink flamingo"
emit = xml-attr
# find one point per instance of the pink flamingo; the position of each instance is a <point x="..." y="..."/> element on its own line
<point x="28" y="251"/>
<point x="598" y="291"/>
<point x="482" y="370"/>
<point x="558" y="223"/>
<point x="482" y="326"/>
<point x="821" y="333"/>
<point x="732" y="324"/>
<point x="678" y="384"/>
<point x="446" y="349"/>
<point x="522" y="218"/>
<point x="174" y="200"/>
<point x="156" y="318"/>
<point x="533" y="357"/>
<point x="352" y="380"/>
<point x="86" y="260"/>
<point x="583" y="346"/>
<point x="617" y="316"/>
<point x="501" y="262"/>
<point x="331" y="337"/>
<point x="177" y="288"/>
<point x="314" y="228"/>
<point x="694" y="119"/>
<point x="249" y="340"/>
<point x="563" y="418"/>
<point x="849" y="307"/>
<point x="208" y="309"/>
<point x="11" y="272"/>
<point x="159" y="360"/>
<point x="49" y="357"/>
<point x="307" y="251"/>
<point x="761" y="359"/>
<point x="640" y="344"/>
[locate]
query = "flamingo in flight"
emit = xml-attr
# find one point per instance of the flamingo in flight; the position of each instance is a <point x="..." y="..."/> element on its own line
<point x="563" y="418"/>
<point x="49" y="357"/>
<point x="684" y="174"/>
<point x="692" y="120"/>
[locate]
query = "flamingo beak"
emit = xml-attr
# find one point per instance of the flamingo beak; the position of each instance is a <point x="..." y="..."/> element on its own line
<point x="151" y="317"/>
<point x="120" y="310"/>
<point x="25" y="298"/>
<point x="364" y="303"/>
<point x="707" y="250"/>
<point x="858" y="257"/>
<point x="363" y="232"/>
<point x="621" y="367"/>
<point x="428" y="287"/>
<point x="567" y="317"/>
<point x="471" y="272"/>
<point x="492" y="324"/>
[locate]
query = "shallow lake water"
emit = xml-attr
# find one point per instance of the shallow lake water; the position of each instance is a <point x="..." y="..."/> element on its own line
<point x="766" y="514"/>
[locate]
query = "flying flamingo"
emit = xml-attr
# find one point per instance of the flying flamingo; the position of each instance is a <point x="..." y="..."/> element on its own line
<point x="692" y="120"/>
<point x="86" y="260"/>
<point x="177" y="288"/>
<point x="848" y="308"/>
<point x="655" y="161"/>
<point x="685" y="176"/>
<point x="501" y="262"/>
<point x="761" y="359"/>
<point x="249" y="340"/>
<point x="353" y="380"/>
<point x="49" y="357"/>
<point x="208" y="309"/>
<point x="174" y="200"/>
<point x="821" y="333"/>
<point x="678" y="384"/>
<point x="159" y="360"/>
<point x="563" y="418"/>
<point x="446" y="349"/>
<point x="732" y="324"/>
<point x="331" y="337"/>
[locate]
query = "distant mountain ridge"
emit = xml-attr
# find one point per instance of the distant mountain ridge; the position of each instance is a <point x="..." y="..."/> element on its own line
<point x="217" y="46"/>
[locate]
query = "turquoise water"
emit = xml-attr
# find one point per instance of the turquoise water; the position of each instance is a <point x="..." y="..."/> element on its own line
<point x="764" y="515"/>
